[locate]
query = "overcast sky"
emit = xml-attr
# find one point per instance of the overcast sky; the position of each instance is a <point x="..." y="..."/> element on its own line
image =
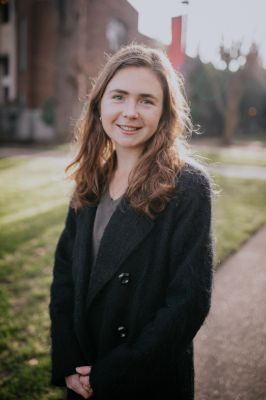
<point x="208" y="23"/>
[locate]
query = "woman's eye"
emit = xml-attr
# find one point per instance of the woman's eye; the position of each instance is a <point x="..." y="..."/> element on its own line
<point x="118" y="97"/>
<point x="147" y="101"/>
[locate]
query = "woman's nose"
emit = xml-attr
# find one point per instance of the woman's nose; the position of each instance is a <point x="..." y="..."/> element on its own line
<point x="130" y="110"/>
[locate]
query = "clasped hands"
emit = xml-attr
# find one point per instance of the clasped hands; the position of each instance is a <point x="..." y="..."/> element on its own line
<point x="80" y="382"/>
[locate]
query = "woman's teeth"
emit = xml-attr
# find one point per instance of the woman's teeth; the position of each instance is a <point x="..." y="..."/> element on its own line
<point x="128" y="128"/>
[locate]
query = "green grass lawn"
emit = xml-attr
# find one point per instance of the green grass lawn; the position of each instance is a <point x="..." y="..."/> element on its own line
<point x="33" y="204"/>
<point x="239" y="211"/>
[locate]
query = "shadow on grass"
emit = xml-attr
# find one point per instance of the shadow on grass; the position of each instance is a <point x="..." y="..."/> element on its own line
<point x="26" y="248"/>
<point x="14" y="235"/>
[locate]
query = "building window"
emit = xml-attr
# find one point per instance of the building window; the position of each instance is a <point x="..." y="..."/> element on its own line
<point x="4" y="12"/>
<point x="4" y="65"/>
<point x="23" y="48"/>
<point x="116" y="34"/>
<point x="4" y="79"/>
<point x="6" y="94"/>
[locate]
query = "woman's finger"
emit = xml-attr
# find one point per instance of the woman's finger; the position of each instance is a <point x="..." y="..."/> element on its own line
<point x="84" y="370"/>
<point x="73" y="383"/>
<point x="79" y="389"/>
<point x="84" y="380"/>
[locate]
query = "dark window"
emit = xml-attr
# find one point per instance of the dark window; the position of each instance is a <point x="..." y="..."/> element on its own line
<point x="22" y="43"/>
<point x="5" y="9"/>
<point x="6" y="93"/>
<point x="4" y="65"/>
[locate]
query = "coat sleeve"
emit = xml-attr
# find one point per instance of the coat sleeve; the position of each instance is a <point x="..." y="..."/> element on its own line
<point x="66" y="354"/>
<point x="186" y="304"/>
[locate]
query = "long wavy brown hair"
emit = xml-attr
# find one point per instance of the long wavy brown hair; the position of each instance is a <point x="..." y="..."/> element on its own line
<point x="152" y="181"/>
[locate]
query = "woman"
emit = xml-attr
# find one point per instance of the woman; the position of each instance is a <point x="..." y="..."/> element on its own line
<point x="133" y="266"/>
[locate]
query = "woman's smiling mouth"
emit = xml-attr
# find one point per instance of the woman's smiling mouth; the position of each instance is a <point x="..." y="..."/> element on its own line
<point x="129" y="128"/>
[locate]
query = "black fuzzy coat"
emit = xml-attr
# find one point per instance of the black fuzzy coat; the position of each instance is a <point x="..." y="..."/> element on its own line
<point x="135" y="316"/>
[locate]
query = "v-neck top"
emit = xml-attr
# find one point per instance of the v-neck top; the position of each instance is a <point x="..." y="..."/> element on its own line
<point x="105" y="209"/>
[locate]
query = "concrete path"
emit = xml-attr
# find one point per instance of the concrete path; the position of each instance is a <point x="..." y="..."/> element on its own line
<point x="239" y="171"/>
<point x="31" y="151"/>
<point x="247" y="151"/>
<point x="230" y="348"/>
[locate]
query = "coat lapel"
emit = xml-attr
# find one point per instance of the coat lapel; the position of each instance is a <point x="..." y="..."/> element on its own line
<point x="81" y="269"/>
<point x="82" y="260"/>
<point x="125" y="230"/>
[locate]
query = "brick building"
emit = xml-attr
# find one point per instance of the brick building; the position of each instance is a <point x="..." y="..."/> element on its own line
<point x="49" y="51"/>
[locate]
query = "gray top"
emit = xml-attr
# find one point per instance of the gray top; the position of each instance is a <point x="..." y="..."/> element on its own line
<point x="105" y="209"/>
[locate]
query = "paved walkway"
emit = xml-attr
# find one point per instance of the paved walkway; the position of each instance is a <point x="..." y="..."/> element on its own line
<point x="230" y="348"/>
<point x="239" y="171"/>
<point x="39" y="151"/>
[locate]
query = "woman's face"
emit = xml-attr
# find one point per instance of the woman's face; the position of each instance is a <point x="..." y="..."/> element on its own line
<point x="131" y="107"/>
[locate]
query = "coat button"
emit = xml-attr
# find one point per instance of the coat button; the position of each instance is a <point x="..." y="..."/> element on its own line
<point x="122" y="331"/>
<point x="124" y="278"/>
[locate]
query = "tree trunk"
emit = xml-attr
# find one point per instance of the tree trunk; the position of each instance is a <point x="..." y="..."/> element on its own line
<point x="231" y="113"/>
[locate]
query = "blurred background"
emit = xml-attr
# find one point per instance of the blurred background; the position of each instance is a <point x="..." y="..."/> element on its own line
<point x="50" y="51"/>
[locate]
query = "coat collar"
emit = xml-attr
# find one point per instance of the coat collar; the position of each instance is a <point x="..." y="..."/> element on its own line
<point x="125" y="230"/>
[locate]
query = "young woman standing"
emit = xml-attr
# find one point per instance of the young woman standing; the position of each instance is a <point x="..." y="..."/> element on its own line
<point x="133" y="265"/>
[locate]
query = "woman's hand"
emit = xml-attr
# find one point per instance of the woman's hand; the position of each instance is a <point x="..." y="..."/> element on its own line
<point x="80" y="382"/>
<point x="84" y="378"/>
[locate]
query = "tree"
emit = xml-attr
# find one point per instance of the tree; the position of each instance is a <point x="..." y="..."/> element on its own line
<point x="222" y="92"/>
<point x="235" y="86"/>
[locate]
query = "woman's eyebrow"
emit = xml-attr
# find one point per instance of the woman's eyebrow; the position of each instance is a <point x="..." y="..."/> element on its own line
<point x="152" y="96"/>
<point x="140" y="94"/>
<point x="118" y="91"/>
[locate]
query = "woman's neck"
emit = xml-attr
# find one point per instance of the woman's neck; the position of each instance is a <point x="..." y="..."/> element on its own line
<point x="126" y="160"/>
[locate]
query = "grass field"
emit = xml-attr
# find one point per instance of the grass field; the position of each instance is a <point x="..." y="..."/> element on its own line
<point x="33" y="203"/>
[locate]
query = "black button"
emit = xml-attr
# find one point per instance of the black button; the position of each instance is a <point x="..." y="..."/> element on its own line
<point x="122" y="331"/>
<point x="124" y="278"/>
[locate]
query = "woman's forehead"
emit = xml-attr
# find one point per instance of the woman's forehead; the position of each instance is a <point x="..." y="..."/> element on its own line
<point x="135" y="80"/>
